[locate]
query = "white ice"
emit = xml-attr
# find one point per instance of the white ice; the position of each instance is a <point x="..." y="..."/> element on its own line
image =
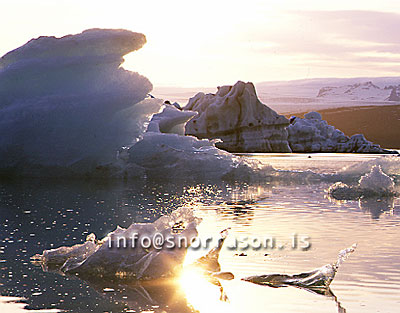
<point x="67" y="101"/>
<point x="313" y="134"/>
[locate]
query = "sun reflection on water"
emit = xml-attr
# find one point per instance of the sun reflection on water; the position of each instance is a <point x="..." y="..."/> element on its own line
<point x="201" y="294"/>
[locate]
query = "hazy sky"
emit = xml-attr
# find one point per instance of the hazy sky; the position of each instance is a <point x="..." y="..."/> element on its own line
<point x="211" y="42"/>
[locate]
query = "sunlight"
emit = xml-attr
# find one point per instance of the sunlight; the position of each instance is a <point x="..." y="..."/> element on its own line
<point x="200" y="293"/>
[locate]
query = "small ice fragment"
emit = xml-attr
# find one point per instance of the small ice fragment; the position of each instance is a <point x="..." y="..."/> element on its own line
<point x="108" y="290"/>
<point x="319" y="278"/>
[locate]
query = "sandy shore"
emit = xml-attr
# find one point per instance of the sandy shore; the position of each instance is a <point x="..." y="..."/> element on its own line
<point x="379" y="124"/>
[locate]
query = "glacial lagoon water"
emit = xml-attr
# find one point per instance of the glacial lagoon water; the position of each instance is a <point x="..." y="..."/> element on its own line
<point x="39" y="214"/>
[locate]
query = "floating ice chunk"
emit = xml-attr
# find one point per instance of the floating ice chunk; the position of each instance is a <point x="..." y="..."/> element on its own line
<point x="122" y="254"/>
<point x="59" y="257"/>
<point x="319" y="278"/>
<point x="373" y="184"/>
<point x="170" y="120"/>
<point x="341" y="191"/>
<point x="376" y="180"/>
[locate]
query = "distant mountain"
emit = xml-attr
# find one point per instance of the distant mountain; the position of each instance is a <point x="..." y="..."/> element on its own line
<point x="367" y="91"/>
<point x="310" y="87"/>
<point x="323" y="93"/>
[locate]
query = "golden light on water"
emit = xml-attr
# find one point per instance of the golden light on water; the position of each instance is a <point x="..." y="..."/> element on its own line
<point x="200" y="293"/>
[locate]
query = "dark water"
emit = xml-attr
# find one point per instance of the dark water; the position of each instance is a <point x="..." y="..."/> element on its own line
<point x="37" y="215"/>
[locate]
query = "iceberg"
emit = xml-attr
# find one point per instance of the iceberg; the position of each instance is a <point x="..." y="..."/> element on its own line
<point x="236" y="116"/>
<point x="313" y="134"/>
<point x="67" y="102"/>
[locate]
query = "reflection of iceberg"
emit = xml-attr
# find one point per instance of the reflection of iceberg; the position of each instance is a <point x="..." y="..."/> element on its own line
<point x="317" y="279"/>
<point x="126" y="257"/>
<point x="163" y="295"/>
<point x="376" y="206"/>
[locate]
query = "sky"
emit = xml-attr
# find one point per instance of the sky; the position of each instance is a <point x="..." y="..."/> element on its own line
<point x="209" y="43"/>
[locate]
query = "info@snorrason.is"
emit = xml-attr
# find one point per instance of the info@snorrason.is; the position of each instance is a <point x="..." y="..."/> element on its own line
<point x="160" y="241"/>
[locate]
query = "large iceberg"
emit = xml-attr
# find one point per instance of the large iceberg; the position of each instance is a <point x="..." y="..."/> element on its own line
<point x="67" y="102"/>
<point x="236" y="116"/>
<point x="313" y="134"/>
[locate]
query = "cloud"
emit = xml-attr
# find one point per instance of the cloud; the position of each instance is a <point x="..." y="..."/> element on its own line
<point x="329" y="38"/>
